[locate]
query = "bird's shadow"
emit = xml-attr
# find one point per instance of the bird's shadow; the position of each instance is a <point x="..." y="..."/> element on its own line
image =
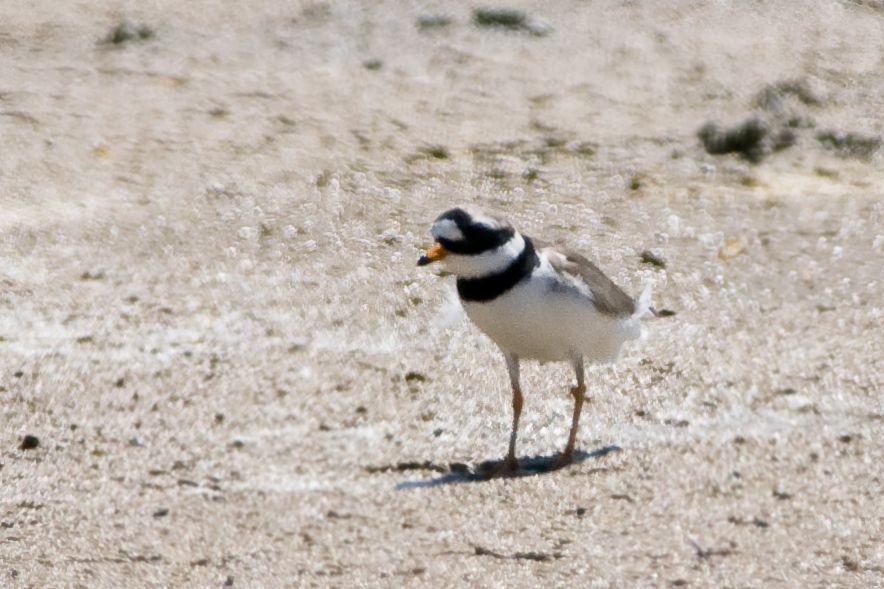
<point x="459" y="473"/>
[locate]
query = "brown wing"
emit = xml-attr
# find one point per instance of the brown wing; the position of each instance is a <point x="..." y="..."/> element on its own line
<point x="607" y="296"/>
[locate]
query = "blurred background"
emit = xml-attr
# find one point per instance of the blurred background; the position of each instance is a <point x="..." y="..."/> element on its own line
<point x="219" y="365"/>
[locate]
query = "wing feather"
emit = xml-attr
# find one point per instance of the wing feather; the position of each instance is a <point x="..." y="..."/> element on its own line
<point x="608" y="298"/>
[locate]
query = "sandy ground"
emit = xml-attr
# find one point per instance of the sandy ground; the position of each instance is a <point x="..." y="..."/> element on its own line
<point x="211" y="318"/>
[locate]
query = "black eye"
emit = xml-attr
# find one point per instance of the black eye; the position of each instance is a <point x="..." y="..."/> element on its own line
<point x="477" y="239"/>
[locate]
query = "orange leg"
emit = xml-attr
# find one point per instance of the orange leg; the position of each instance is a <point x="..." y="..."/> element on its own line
<point x="579" y="394"/>
<point x="511" y="462"/>
<point x="512" y="366"/>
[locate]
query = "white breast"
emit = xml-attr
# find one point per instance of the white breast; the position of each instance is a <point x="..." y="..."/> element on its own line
<point x="545" y="319"/>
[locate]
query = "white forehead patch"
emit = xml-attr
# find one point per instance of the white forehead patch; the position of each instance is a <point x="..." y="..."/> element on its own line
<point x="487" y="222"/>
<point x="480" y="218"/>
<point x="446" y="229"/>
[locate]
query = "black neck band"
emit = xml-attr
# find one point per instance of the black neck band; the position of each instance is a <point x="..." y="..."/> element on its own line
<point x="490" y="287"/>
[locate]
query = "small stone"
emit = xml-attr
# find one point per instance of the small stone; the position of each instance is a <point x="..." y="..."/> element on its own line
<point x="92" y="275"/>
<point x="649" y="257"/>
<point x="745" y="138"/>
<point x="426" y="22"/>
<point x="373" y="64"/>
<point x="439" y="152"/>
<point x="535" y="556"/>
<point x="732" y="248"/>
<point x="126" y="31"/>
<point x="297" y="345"/>
<point x="29" y="442"/>
<point x="511" y="19"/>
<point x="137" y="441"/>
<point x="677" y="422"/>
<point x="499" y="17"/>
<point x="412" y="376"/>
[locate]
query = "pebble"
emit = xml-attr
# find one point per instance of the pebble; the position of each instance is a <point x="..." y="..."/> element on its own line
<point x="29" y="442"/>
<point x="427" y="22"/>
<point x="511" y="19"/>
<point x="126" y="31"/>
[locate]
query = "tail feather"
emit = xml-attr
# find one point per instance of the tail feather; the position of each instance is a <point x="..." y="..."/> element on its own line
<point x="643" y="306"/>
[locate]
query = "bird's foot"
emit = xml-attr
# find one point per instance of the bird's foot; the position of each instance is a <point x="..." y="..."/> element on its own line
<point x="507" y="467"/>
<point x="562" y="460"/>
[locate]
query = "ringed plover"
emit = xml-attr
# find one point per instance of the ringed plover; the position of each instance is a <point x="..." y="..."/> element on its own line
<point x="534" y="301"/>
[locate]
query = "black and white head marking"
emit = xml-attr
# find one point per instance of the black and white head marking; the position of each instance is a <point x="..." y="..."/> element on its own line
<point x="487" y="254"/>
<point x="470" y="232"/>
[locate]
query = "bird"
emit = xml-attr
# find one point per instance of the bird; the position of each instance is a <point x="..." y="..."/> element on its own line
<point x="536" y="302"/>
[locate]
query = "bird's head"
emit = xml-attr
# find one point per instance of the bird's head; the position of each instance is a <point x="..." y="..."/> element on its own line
<point x="473" y="243"/>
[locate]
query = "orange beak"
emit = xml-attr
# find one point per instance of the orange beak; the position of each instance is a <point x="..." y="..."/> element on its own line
<point x="434" y="254"/>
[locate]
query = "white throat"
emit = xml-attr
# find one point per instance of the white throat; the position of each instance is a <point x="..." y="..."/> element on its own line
<point x="486" y="263"/>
